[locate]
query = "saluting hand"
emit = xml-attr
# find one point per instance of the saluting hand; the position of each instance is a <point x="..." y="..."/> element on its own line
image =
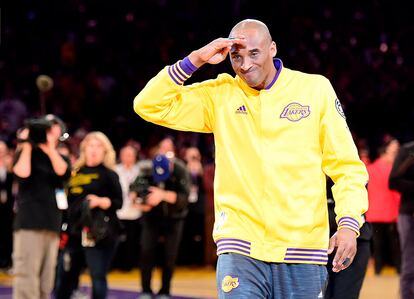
<point x="215" y="52"/>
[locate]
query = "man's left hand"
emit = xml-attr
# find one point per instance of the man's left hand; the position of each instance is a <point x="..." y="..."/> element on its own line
<point x="345" y="241"/>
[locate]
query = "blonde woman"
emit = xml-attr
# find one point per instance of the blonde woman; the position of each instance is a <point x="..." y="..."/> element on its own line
<point x="94" y="195"/>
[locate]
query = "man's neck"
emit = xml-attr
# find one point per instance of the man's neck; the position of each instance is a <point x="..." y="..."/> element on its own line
<point x="269" y="79"/>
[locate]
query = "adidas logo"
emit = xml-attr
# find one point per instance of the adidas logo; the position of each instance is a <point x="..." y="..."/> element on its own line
<point x="242" y="109"/>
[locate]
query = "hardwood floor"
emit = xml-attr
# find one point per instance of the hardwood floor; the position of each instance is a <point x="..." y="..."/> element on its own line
<point x="200" y="282"/>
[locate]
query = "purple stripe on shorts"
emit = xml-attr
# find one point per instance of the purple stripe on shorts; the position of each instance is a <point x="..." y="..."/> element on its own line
<point x="306" y="254"/>
<point x="233" y="244"/>
<point x="234" y="240"/>
<point x="187" y="66"/>
<point x="233" y="249"/>
<point x="306" y="260"/>
<point x="172" y="77"/>
<point x="307" y="250"/>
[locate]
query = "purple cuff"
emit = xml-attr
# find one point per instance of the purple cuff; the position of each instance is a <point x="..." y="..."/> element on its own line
<point x="350" y="223"/>
<point x="187" y="66"/>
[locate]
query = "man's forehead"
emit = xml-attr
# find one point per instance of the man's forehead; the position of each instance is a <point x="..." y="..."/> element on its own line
<point x="238" y="48"/>
<point x="253" y="38"/>
<point x="249" y="45"/>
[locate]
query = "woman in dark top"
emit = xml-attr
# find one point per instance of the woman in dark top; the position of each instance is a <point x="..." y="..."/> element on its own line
<point x="94" y="195"/>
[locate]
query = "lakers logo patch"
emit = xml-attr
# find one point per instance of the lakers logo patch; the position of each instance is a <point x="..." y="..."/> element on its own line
<point x="295" y="112"/>
<point x="229" y="283"/>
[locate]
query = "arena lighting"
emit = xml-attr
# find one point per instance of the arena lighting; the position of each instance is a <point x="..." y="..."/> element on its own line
<point x="44" y="83"/>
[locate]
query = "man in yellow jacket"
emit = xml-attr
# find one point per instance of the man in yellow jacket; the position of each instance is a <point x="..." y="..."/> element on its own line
<point x="277" y="133"/>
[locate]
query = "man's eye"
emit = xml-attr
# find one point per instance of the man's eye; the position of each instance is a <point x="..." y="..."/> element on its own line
<point x="254" y="54"/>
<point x="236" y="57"/>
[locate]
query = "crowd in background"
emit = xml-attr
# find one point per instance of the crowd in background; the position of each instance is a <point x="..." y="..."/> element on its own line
<point x="129" y="161"/>
<point x="100" y="55"/>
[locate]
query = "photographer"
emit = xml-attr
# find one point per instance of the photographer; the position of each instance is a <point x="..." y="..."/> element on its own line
<point x="41" y="173"/>
<point x="161" y="192"/>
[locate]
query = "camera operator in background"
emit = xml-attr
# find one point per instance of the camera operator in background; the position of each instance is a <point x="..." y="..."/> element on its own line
<point x="161" y="191"/>
<point x="41" y="174"/>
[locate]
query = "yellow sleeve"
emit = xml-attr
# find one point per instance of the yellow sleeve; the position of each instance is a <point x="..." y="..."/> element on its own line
<point x="168" y="103"/>
<point x="340" y="161"/>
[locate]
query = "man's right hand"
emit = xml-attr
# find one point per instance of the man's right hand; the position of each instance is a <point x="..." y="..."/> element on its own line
<point x="215" y="52"/>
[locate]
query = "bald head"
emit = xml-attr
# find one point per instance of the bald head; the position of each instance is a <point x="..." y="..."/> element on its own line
<point x="251" y="26"/>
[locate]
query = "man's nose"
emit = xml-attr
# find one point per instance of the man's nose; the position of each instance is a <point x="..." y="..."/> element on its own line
<point x="246" y="64"/>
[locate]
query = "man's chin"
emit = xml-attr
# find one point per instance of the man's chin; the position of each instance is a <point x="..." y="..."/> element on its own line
<point x="251" y="83"/>
<point x="254" y="84"/>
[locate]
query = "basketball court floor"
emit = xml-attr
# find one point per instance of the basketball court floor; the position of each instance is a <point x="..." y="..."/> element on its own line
<point x="199" y="283"/>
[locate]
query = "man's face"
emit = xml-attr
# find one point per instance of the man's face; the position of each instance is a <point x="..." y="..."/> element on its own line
<point x="253" y="61"/>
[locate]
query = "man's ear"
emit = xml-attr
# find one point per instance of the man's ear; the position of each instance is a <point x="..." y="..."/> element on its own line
<point x="273" y="49"/>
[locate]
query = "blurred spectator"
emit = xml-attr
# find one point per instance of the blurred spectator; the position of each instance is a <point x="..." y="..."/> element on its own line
<point x="210" y="248"/>
<point x="166" y="146"/>
<point x="347" y="284"/>
<point x="12" y="111"/>
<point x="161" y="191"/>
<point x="41" y="173"/>
<point x="192" y="246"/>
<point x="383" y="208"/>
<point x="94" y="195"/>
<point x="126" y="257"/>
<point x="88" y="59"/>
<point x="402" y="180"/>
<point x="6" y="206"/>
<point x="66" y="151"/>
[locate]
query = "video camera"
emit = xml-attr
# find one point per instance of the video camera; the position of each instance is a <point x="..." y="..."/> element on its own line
<point x="154" y="173"/>
<point x="38" y="128"/>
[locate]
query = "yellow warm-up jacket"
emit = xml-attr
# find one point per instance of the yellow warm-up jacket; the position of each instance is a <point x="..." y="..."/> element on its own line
<point x="273" y="150"/>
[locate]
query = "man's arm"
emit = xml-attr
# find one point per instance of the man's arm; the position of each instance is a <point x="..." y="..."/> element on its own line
<point x="23" y="166"/>
<point x="58" y="163"/>
<point x="166" y="102"/>
<point x="60" y="166"/>
<point x="341" y="163"/>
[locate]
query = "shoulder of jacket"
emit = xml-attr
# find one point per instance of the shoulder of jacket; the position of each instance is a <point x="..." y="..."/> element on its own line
<point x="110" y="172"/>
<point x="221" y="80"/>
<point x="180" y="164"/>
<point x="307" y="76"/>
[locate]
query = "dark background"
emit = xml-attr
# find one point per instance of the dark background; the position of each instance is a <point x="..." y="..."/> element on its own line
<point x="101" y="53"/>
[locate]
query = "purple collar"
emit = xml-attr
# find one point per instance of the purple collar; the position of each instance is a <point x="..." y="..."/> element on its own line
<point x="278" y="65"/>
